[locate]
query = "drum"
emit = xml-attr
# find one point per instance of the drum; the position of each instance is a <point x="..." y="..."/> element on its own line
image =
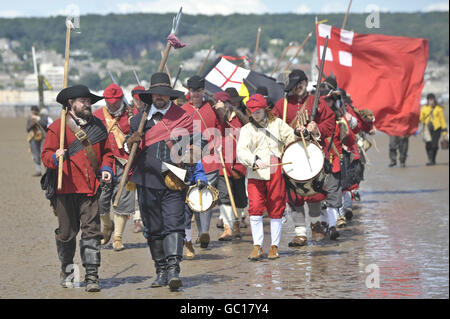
<point x="202" y="200"/>
<point x="306" y="175"/>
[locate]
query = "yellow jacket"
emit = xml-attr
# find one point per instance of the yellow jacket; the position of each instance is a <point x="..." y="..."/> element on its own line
<point x="435" y="115"/>
<point x="253" y="142"/>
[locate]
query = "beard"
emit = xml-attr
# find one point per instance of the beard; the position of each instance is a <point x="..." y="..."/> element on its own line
<point x="160" y="103"/>
<point x="84" y="114"/>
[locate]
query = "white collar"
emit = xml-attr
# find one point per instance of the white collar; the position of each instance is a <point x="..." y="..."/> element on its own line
<point x="153" y="110"/>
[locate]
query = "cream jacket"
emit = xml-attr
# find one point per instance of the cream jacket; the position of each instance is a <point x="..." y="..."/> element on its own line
<point x="254" y="142"/>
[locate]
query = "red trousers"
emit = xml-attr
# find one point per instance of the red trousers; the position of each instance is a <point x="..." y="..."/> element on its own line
<point x="267" y="195"/>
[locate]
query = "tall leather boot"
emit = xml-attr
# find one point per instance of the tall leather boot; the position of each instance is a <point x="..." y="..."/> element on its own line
<point x="159" y="257"/>
<point x="66" y="252"/>
<point x="90" y="257"/>
<point x="108" y="228"/>
<point x="173" y="248"/>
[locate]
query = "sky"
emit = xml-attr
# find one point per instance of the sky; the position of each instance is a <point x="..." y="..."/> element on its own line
<point x="45" y="8"/>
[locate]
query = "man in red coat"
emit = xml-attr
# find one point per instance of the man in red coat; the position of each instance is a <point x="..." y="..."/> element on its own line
<point x="86" y="154"/>
<point x="235" y="171"/>
<point x="116" y="120"/>
<point x="209" y="125"/>
<point x="320" y="127"/>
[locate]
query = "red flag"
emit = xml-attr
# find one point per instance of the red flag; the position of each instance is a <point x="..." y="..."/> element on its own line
<point x="382" y="73"/>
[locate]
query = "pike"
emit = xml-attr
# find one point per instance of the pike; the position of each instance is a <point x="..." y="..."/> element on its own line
<point x="124" y="99"/>
<point x="300" y="48"/>
<point x="256" y="48"/>
<point x="319" y="80"/>
<point x="285" y="51"/>
<point x="133" y="150"/>
<point x="136" y="77"/>
<point x="199" y="71"/>
<point x="180" y="68"/>
<point x="62" y="133"/>
<point x="346" y="15"/>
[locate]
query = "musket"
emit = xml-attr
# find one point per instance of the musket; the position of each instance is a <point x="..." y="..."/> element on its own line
<point x="147" y="107"/>
<point x="62" y="133"/>
<point x="319" y="80"/>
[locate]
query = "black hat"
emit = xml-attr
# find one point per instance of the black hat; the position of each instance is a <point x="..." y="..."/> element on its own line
<point x="159" y="84"/>
<point x="294" y="77"/>
<point x="196" y="82"/>
<point x="75" y="91"/>
<point x="235" y="97"/>
<point x="262" y="90"/>
<point x="331" y="82"/>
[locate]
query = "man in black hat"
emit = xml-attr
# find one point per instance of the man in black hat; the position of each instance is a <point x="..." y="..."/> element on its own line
<point x="299" y="99"/>
<point x="167" y="133"/>
<point x="36" y="127"/>
<point x="86" y="154"/>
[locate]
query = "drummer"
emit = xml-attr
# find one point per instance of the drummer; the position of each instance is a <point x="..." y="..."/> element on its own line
<point x="298" y="99"/>
<point x="266" y="185"/>
<point x="196" y="176"/>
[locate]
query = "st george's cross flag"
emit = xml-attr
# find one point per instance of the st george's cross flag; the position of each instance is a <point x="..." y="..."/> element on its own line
<point x="381" y="73"/>
<point x="223" y="74"/>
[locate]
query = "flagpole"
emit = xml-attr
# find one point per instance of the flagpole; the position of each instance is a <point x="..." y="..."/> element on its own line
<point x="346" y="15"/>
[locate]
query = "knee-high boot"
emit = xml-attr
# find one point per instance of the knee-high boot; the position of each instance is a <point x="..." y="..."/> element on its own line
<point x="159" y="257"/>
<point x="90" y="257"/>
<point x="173" y="248"/>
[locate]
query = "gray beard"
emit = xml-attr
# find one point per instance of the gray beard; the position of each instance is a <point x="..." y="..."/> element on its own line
<point x="83" y="115"/>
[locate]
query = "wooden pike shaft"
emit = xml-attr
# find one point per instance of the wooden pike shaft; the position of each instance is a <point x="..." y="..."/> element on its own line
<point x="164" y="55"/>
<point x="199" y="71"/>
<point x="300" y="48"/>
<point x="256" y="48"/>
<point x="130" y="158"/>
<point x="166" y="67"/>
<point x="62" y="132"/>
<point x="346" y="15"/>
<point x="230" y="193"/>
<point x="285" y="51"/>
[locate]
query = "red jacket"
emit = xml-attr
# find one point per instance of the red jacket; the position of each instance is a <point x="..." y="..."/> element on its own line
<point x="124" y="126"/>
<point x="362" y="124"/>
<point x="206" y="121"/>
<point x="78" y="174"/>
<point x="324" y="116"/>
<point x="231" y="135"/>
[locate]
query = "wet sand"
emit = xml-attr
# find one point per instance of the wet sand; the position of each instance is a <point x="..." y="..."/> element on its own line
<point x="400" y="227"/>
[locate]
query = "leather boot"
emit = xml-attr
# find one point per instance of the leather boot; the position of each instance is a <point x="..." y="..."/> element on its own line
<point x="190" y="252"/>
<point x="173" y="248"/>
<point x="236" y="229"/>
<point x="298" y="241"/>
<point x="227" y="234"/>
<point x="66" y="252"/>
<point x="256" y="253"/>
<point x="158" y="256"/>
<point x="317" y="231"/>
<point x="90" y="257"/>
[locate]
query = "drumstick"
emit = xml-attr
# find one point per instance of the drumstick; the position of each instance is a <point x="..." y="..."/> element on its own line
<point x="278" y="164"/>
<point x="200" y="195"/>
<point x="303" y="140"/>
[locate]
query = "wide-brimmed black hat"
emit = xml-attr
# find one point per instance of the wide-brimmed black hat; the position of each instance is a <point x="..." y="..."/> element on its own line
<point x="196" y="82"/>
<point x="294" y="77"/>
<point x="160" y="84"/>
<point x="75" y="91"/>
<point x="234" y="95"/>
